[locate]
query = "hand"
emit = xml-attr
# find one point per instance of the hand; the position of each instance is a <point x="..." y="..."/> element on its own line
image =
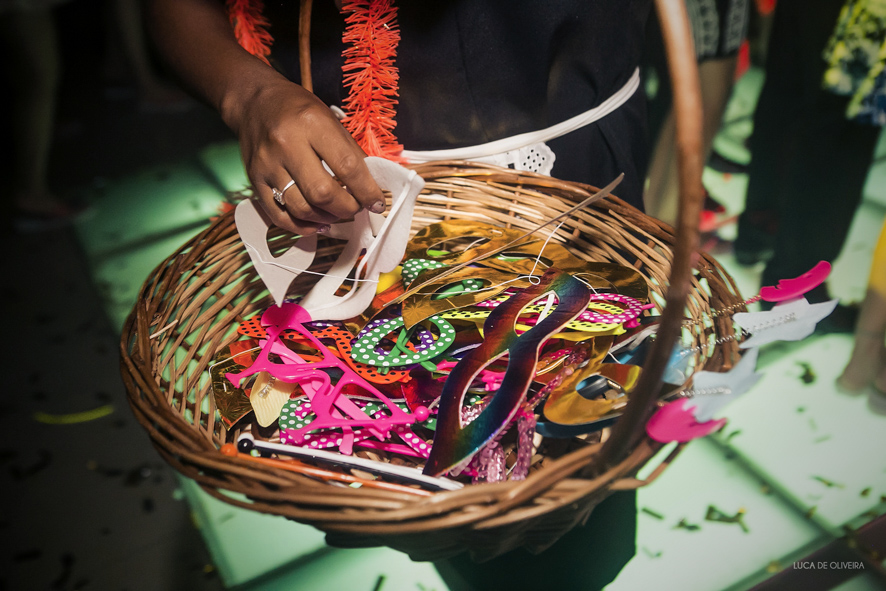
<point x="285" y="131"/>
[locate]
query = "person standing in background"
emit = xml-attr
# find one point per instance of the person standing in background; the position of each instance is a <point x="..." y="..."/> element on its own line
<point x="809" y="161"/>
<point x="719" y="27"/>
<point x="32" y="62"/>
<point x="856" y="58"/>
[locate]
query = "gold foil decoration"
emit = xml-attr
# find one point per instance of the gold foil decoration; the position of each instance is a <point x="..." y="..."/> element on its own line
<point x="422" y="305"/>
<point x="427" y="238"/>
<point x="566" y="406"/>
<point x="419" y="283"/>
<point x="553" y="254"/>
<point x="232" y="403"/>
<point x="618" y="278"/>
<point x="535" y="257"/>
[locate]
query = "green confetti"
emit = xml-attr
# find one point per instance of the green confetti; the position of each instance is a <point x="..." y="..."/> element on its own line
<point x="652" y="513"/>
<point x="683" y="524"/>
<point x="808" y="376"/>
<point x="714" y="514"/>
<point x="73" y="418"/>
<point x="828" y="483"/>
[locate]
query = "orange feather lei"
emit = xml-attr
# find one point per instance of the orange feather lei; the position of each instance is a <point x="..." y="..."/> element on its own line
<point x="250" y="27"/>
<point x="371" y="76"/>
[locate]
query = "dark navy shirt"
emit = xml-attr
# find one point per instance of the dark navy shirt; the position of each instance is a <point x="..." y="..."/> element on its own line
<point x="474" y="71"/>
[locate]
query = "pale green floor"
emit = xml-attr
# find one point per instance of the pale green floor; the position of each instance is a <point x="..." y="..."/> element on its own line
<point x="781" y="436"/>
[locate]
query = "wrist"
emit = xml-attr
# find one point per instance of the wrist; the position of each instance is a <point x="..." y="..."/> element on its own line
<point x="245" y="90"/>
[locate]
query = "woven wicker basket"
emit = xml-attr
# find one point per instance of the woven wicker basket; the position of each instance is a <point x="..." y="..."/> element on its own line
<point x="191" y="305"/>
<point x="202" y="291"/>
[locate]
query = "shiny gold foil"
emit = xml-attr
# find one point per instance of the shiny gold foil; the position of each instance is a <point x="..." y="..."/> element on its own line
<point x="567" y="407"/>
<point x="232" y="403"/>
<point x="422" y="306"/>
<point x="618" y="278"/>
<point x="610" y="276"/>
<point x="492" y="237"/>
<point x="554" y="255"/>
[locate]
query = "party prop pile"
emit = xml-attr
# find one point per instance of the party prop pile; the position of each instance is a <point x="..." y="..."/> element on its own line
<point x="454" y="382"/>
<point x="450" y="378"/>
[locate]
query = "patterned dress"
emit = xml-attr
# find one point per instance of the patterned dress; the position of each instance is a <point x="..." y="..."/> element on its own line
<point x="856" y="56"/>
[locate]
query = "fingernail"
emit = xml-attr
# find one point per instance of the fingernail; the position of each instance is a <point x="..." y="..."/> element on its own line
<point x="377" y="207"/>
<point x="322" y="229"/>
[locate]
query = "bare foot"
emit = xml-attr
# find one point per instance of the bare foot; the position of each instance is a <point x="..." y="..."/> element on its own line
<point x="868" y="358"/>
<point x="877" y="397"/>
<point x="880" y="381"/>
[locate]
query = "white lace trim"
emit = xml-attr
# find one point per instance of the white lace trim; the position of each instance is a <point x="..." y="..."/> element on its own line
<point x="528" y="151"/>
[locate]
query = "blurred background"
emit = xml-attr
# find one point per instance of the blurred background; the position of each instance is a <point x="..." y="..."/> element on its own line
<point x="134" y="167"/>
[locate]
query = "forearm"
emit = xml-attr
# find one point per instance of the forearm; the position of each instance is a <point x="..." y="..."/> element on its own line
<point x="196" y="39"/>
<point x="286" y="133"/>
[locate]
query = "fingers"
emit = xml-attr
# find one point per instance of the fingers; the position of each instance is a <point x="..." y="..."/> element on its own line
<point x="287" y="138"/>
<point x="293" y="214"/>
<point x="345" y="158"/>
<point x="319" y="190"/>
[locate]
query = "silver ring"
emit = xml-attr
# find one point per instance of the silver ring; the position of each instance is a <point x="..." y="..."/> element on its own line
<point x="278" y="194"/>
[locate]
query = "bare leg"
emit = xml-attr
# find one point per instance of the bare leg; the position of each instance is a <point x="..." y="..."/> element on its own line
<point x="660" y="198"/>
<point x="868" y="354"/>
<point x="868" y="362"/>
<point x="32" y="61"/>
<point x="717" y="77"/>
<point x="152" y="90"/>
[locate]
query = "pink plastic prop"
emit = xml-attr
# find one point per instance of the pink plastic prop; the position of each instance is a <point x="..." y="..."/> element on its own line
<point x="311" y="387"/>
<point x="789" y="289"/>
<point x="327" y="401"/>
<point x="675" y="421"/>
<point x="417" y="447"/>
<point x="525" y="432"/>
<point x="491" y="379"/>
<point x="633" y="308"/>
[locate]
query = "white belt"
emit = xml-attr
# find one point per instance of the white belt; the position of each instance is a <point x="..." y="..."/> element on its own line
<point x="528" y="151"/>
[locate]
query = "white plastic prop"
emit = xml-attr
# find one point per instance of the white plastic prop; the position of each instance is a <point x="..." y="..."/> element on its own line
<point x="788" y="321"/>
<point x="268" y="397"/>
<point x="714" y="390"/>
<point x="277" y="273"/>
<point x="246" y="443"/>
<point x="383" y="238"/>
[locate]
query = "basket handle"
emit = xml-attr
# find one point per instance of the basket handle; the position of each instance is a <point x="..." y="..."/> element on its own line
<point x="630" y="483"/>
<point x="630" y="429"/>
<point x="304" y="44"/>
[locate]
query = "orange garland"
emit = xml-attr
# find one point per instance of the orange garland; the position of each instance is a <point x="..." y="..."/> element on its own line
<point x="250" y="27"/>
<point x="369" y="71"/>
<point x="371" y="76"/>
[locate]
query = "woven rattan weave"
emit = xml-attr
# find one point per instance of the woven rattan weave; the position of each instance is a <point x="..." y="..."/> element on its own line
<point x="191" y="305"/>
